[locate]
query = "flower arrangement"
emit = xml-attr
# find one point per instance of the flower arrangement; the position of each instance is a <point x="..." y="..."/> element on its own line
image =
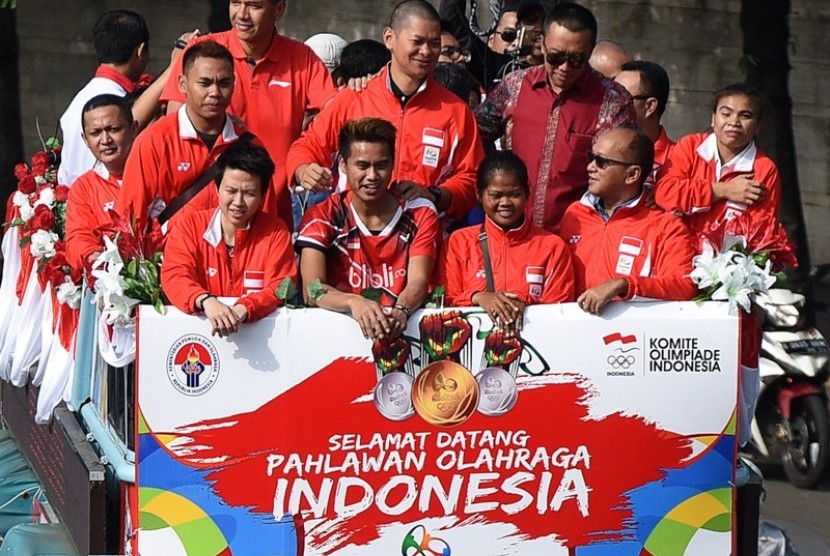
<point x="128" y="271"/>
<point x="739" y="258"/>
<point x="40" y="203"/>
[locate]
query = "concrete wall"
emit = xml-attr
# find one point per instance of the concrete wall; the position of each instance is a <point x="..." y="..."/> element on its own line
<point x="699" y="42"/>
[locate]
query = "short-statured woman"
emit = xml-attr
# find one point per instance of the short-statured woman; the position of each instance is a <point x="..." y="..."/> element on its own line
<point x="529" y="264"/>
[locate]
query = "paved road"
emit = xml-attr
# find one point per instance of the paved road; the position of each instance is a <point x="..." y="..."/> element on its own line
<point x="803" y="514"/>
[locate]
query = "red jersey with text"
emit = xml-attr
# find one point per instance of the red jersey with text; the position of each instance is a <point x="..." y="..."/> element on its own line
<point x="651" y="249"/>
<point x="271" y="96"/>
<point x="694" y="165"/>
<point x="528" y="261"/>
<point x="166" y="159"/>
<point x="197" y="261"/>
<point x="92" y="195"/>
<point x="552" y="133"/>
<point x="437" y="141"/>
<point x="356" y="258"/>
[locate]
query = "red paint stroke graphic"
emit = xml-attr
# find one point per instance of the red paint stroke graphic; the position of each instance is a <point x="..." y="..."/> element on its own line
<point x="625" y="452"/>
<point x="617" y="337"/>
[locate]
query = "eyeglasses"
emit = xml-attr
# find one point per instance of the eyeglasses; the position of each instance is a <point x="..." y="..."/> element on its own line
<point x="455" y="53"/>
<point x="603" y="162"/>
<point x="641" y="97"/>
<point x="508" y="35"/>
<point x="575" y="59"/>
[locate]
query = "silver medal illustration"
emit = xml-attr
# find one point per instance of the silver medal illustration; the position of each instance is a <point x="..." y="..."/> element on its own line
<point x="497" y="391"/>
<point x="393" y="396"/>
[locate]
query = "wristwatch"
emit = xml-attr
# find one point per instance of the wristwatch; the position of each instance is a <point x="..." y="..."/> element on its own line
<point x="435" y="191"/>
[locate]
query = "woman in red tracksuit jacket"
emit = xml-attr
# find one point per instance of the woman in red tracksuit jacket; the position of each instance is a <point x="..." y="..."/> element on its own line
<point x="529" y="264"/>
<point x="235" y="251"/>
<point x="713" y="177"/>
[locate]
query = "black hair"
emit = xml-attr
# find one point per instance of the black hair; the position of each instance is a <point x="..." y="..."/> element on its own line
<point x="101" y="101"/>
<point x="455" y="78"/>
<point x="367" y="130"/>
<point x="573" y="17"/>
<point x="406" y="10"/>
<point x="654" y="81"/>
<point x="640" y="151"/>
<point x="501" y="161"/>
<point x="741" y="88"/>
<point x="248" y="157"/>
<point x="205" y="49"/>
<point x="116" y="34"/>
<point x="363" y="57"/>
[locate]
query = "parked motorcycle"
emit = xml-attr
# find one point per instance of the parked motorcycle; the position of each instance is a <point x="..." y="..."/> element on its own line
<point x="792" y="422"/>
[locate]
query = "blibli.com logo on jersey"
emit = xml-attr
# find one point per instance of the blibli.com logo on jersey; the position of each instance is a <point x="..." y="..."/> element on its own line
<point x="364" y="277"/>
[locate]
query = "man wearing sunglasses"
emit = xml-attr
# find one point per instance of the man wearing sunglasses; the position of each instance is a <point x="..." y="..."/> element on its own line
<point x="648" y="84"/>
<point x="623" y="248"/>
<point x="549" y="115"/>
<point x="489" y="62"/>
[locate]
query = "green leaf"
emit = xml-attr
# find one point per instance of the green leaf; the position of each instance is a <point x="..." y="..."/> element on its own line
<point x="372" y="293"/>
<point x="316" y="290"/>
<point x="18" y="221"/>
<point x="436" y="298"/>
<point x="159" y="307"/>
<point x="52" y="142"/>
<point x="287" y="289"/>
<point x="132" y="269"/>
<point x="25" y="241"/>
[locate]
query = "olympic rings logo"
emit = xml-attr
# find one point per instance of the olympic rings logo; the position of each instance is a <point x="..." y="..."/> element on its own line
<point x="620" y="361"/>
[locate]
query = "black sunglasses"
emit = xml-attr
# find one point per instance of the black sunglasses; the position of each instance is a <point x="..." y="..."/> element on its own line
<point x="452" y="51"/>
<point x="508" y="35"/>
<point x="603" y="162"/>
<point x="575" y="59"/>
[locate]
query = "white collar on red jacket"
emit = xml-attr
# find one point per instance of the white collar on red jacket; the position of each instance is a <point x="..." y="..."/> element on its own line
<point x="187" y="131"/>
<point x="421" y="87"/>
<point x="595" y="203"/>
<point x="104" y="174"/>
<point x="744" y="162"/>
<point x="213" y="234"/>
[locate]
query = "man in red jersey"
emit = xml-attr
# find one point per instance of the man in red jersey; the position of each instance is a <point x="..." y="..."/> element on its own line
<point x="277" y="80"/>
<point x="438" y="148"/>
<point x="367" y="238"/>
<point x="176" y="151"/>
<point x="108" y="132"/>
<point x="622" y="248"/>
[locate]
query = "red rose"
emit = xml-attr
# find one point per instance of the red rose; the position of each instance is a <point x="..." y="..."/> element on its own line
<point x="43" y="219"/>
<point x="20" y="170"/>
<point x="54" y="272"/>
<point x="27" y="184"/>
<point x="40" y="163"/>
<point x="61" y="193"/>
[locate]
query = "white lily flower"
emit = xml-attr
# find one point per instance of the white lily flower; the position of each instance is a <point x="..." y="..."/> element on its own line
<point x="731" y="241"/>
<point x="42" y="244"/>
<point x="109" y="257"/>
<point x="733" y="289"/>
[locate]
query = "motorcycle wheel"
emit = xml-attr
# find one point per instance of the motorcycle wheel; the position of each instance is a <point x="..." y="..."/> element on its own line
<point x="805" y="456"/>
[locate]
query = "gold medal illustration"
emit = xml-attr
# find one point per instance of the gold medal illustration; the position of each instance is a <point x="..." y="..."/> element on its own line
<point x="445" y="394"/>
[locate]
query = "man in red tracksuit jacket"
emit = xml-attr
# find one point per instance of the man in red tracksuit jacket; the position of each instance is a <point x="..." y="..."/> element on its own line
<point x="108" y="131"/>
<point x="174" y="153"/>
<point x="438" y="148"/>
<point x="623" y="248"/>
